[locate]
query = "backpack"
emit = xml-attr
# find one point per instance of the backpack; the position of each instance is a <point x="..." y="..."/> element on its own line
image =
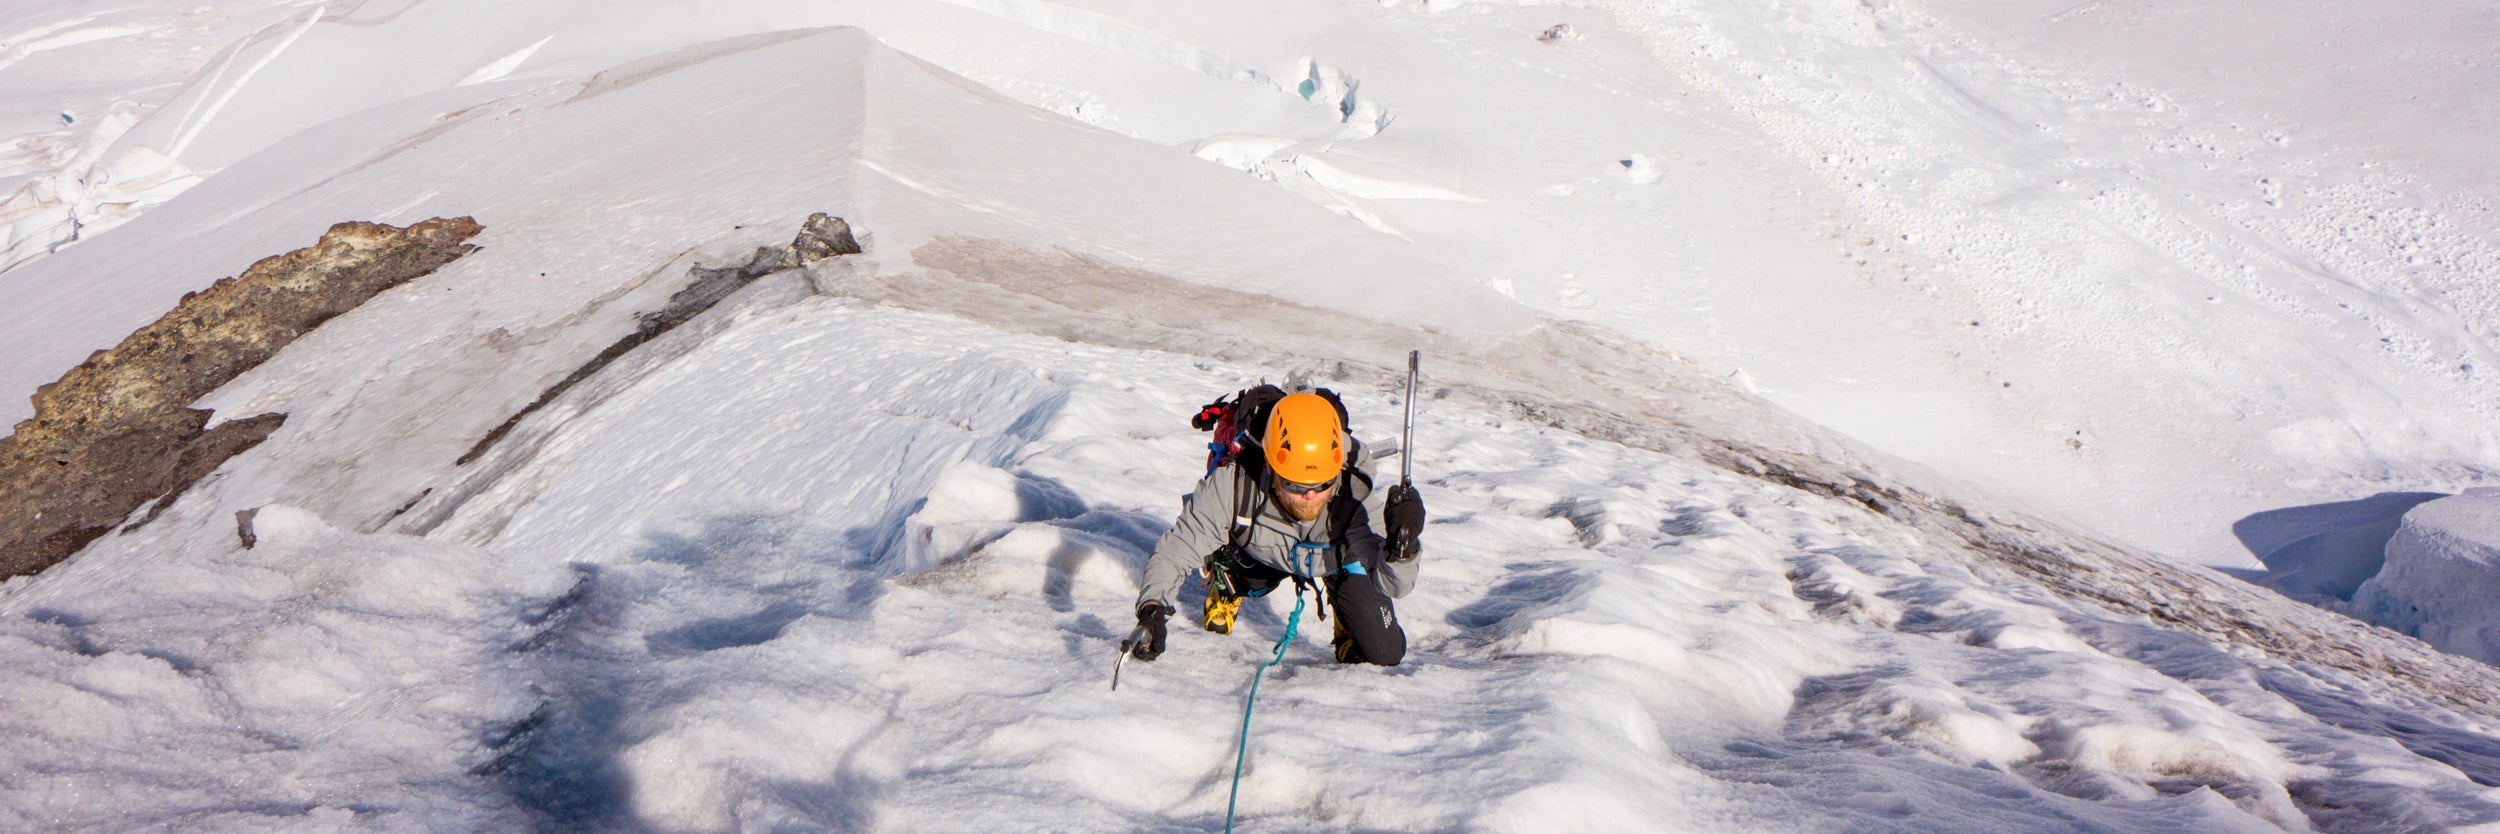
<point x="1239" y="423"/>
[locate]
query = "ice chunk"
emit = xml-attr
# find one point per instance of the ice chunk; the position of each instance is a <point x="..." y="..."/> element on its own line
<point x="2441" y="568"/>
<point x="1639" y="169"/>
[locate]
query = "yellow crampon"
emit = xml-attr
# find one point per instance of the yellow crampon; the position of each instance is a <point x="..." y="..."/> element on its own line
<point x="1220" y="610"/>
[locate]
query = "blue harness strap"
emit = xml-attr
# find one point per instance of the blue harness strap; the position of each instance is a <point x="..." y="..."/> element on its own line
<point x="1307" y="559"/>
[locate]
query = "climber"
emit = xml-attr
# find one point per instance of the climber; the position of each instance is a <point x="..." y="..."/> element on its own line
<point x="1288" y="497"/>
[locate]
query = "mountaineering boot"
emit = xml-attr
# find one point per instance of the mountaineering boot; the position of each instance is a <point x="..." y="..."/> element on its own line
<point x="1221" y="608"/>
<point x="1347" y="651"/>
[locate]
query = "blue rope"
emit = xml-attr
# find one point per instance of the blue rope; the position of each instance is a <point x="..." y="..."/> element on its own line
<point x="1292" y="624"/>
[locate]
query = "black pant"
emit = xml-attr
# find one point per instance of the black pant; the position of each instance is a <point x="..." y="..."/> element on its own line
<point x="1367" y="620"/>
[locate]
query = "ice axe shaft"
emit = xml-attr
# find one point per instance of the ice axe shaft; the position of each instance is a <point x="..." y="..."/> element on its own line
<point x="1406" y="436"/>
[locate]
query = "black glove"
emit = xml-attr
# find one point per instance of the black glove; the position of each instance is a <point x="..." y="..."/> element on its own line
<point x="1403" y="518"/>
<point x="1146" y="643"/>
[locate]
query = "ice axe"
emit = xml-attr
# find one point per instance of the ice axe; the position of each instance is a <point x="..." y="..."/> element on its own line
<point x="1406" y="435"/>
<point x="1136" y="637"/>
<point x="1402" y="547"/>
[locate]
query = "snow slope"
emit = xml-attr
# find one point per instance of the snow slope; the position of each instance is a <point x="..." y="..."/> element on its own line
<point x="2054" y="251"/>
<point x="797" y="573"/>
<point x="2166" y="251"/>
<point x="851" y="550"/>
<point x="2076" y="258"/>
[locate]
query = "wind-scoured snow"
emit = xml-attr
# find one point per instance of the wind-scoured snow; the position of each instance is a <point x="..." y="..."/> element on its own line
<point x="848" y="565"/>
<point x="853" y="549"/>
<point x="290" y="687"/>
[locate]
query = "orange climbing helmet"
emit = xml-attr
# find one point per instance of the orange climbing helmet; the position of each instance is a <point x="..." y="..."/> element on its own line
<point x="1305" y="441"/>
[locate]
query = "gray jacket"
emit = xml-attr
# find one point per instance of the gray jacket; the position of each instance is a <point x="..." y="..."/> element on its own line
<point x="1206" y="523"/>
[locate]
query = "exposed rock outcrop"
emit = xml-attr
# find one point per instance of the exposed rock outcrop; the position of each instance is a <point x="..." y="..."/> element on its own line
<point x="118" y="431"/>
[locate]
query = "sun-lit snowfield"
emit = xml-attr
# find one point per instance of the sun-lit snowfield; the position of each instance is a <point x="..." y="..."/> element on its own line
<point x="2145" y="266"/>
<point x="852" y="551"/>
